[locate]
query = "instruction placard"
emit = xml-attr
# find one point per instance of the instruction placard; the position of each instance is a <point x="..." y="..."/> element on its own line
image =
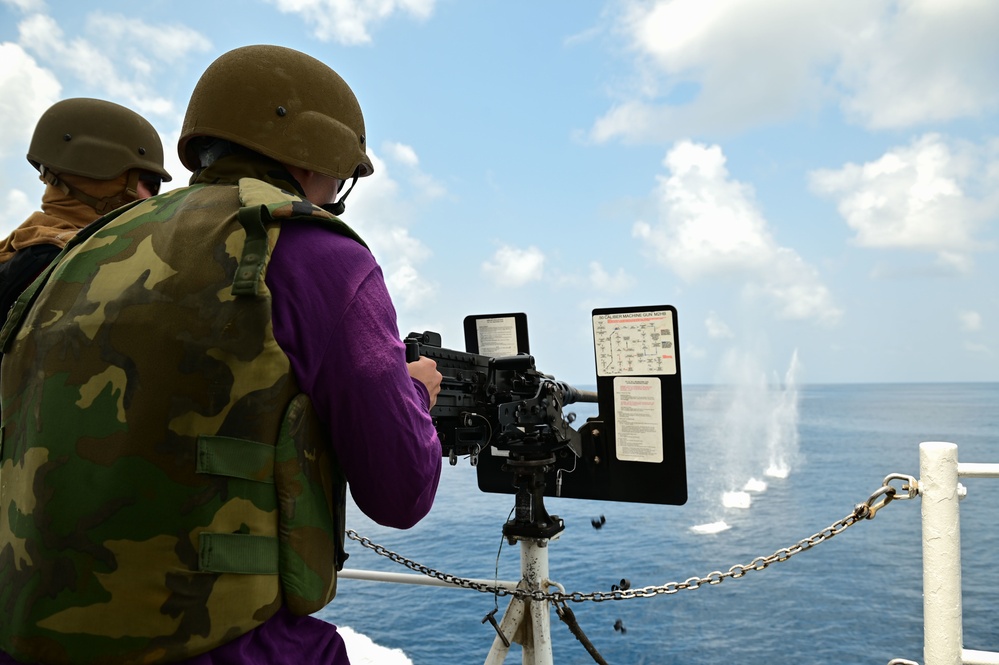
<point x="635" y="343"/>
<point x="497" y="336"/>
<point x="638" y="412"/>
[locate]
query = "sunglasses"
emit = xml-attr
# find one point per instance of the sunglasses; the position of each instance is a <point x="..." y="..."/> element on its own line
<point x="152" y="183"/>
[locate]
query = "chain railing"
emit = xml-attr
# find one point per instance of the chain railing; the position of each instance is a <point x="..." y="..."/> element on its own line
<point x="862" y="511"/>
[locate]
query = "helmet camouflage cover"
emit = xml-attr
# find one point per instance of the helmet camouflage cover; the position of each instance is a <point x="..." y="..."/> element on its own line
<point x="283" y="104"/>
<point x="95" y="139"/>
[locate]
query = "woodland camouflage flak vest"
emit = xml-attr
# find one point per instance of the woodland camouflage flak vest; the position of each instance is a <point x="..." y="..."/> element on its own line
<point x="164" y="487"/>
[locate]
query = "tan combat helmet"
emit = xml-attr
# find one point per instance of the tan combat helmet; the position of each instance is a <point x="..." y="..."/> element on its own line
<point x="281" y="103"/>
<point x="95" y="139"/>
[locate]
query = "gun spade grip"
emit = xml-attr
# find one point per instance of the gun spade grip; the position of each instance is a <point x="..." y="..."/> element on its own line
<point x="412" y="351"/>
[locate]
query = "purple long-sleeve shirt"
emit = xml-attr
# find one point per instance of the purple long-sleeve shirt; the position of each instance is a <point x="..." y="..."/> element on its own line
<point x="333" y="317"/>
<point x="335" y="320"/>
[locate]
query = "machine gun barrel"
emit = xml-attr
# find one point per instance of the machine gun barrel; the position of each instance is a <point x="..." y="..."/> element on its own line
<point x="572" y="395"/>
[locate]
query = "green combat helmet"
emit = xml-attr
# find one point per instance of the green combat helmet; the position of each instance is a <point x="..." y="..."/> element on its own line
<point x="280" y="103"/>
<point x="95" y="139"/>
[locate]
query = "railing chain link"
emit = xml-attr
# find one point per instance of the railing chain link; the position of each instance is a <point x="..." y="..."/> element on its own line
<point x="862" y="511"/>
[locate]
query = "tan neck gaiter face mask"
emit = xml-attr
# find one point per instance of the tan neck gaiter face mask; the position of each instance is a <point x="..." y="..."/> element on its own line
<point x="61" y="215"/>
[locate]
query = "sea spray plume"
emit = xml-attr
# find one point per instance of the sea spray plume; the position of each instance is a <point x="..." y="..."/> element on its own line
<point x="782" y="427"/>
<point x="756" y="434"/>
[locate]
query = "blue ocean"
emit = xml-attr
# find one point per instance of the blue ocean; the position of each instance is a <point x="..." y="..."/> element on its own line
<point x="767" y="466"/>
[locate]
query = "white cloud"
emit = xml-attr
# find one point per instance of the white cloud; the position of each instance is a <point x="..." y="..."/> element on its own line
<point x="125" y="67"/>
<point x="922" y="61"/>
<point x="710" y="227"/>
<point x="953" y="263"/>
<point x="381" y="209"/>
<point x="717" y="329"/>
<point x="603" y="281"/>
<point x="513" y="267"/>
<point x="138" y="40"/>
<point x="978" y="348"/>
<point x="171" y="160"/>
<point x="16" y="208"/>
<point x="970" y="320"/>
<point x="347" y="21"/>
<point x="25" y="5"/>
<point x="724" y="65"/>
<point x="26" y="90"/>
<point x="406" y="157"/>
<point x="402" y="153"/>
<point x="931" y="195"/>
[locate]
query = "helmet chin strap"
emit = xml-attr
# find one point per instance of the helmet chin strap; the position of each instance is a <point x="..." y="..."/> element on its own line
<point x="338" y="207"/>
<point x="101" y="206"/>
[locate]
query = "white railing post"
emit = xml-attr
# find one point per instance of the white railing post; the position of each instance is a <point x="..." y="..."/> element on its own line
<point x="938" y="487"/>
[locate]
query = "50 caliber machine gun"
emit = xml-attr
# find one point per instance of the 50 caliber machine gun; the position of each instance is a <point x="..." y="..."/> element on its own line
<point x="505" y="408"/>
<point x="503" y="402"/>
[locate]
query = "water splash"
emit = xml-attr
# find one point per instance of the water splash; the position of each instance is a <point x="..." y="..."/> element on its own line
<point x="782" y="425"/>
<point x="756" y="431"/>
<point x="713" y="527"/>
<point x="737" y="500"/>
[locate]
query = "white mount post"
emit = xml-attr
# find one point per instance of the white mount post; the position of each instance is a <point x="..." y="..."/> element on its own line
<point x="527" y="622"/>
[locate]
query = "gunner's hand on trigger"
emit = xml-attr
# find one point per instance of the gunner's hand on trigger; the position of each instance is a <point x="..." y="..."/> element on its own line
<point x="425" y="371"/>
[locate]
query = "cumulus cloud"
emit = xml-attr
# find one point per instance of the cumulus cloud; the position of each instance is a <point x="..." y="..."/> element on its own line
<point x="717" y="329"/>
<point x="982" y="349"/>
<point x="931" y="195"/>
<point x="724" y="65"/>
<point x="143" y="44"/>
<point x="25" y="5"/>
<point x="709" y="227"/>
<point x="405" y="156"/>
<point x="348" y="22"/>
<point x="402" y="153"/>
<point x="16" y="208"/>
<point x="970" y="320"/>
<point x="119" y="56"/>
<point x="513" y="266"/>
<point x="382" y="209"/>
<point x="603" y="281"/>
<point x="26" y="90"/>
<point x="922" y="61"/>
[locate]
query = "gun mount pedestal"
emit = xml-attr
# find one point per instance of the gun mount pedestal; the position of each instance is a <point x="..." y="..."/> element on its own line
<point x="530" y="518"/>
<point x="527" y="621"/>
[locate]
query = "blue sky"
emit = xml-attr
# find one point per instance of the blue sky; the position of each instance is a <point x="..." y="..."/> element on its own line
<point x="813" y="185"/>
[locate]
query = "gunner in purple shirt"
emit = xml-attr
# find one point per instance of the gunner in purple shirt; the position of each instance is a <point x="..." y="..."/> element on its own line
<point x="278" y="127"/>
<point x="333" y="317"/>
